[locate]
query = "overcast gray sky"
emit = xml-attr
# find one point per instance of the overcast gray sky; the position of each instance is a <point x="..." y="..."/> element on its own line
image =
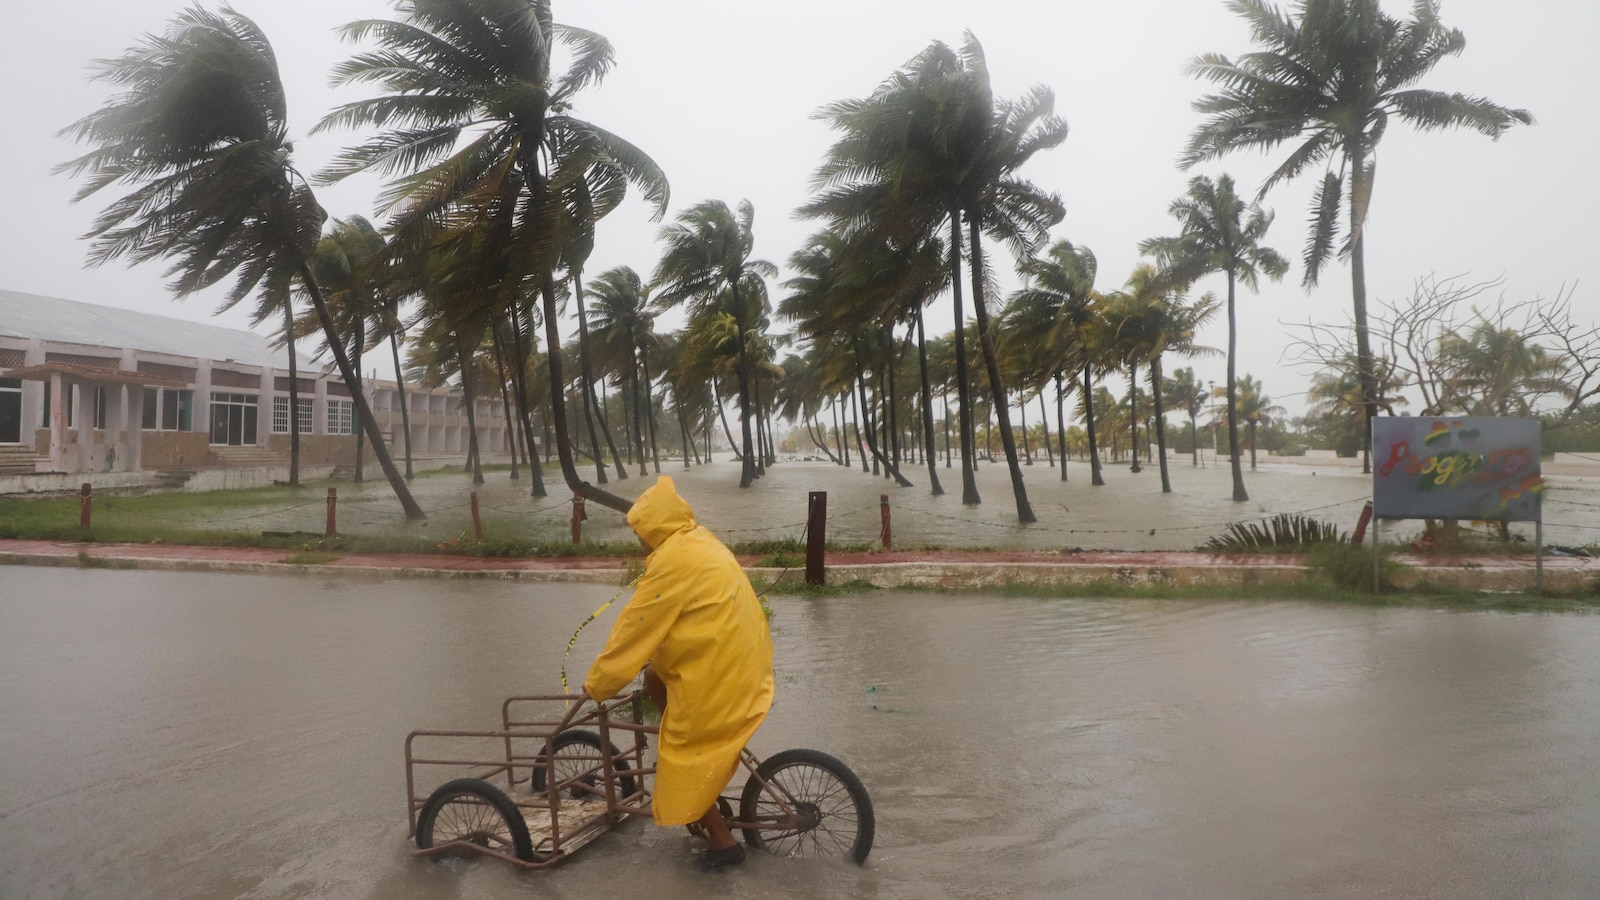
<point x="721" y="94"/>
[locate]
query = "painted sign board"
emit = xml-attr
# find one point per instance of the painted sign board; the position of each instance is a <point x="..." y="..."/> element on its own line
<point x="1456" y="468"/>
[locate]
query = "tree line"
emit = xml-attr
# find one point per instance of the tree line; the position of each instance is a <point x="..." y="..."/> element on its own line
<point x="495" y="188"/>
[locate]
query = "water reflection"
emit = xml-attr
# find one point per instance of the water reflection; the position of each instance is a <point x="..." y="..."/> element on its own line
<point x="189" y="735"/>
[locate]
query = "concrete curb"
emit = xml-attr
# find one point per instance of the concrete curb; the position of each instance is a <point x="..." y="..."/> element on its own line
<point x="934" y="575"/>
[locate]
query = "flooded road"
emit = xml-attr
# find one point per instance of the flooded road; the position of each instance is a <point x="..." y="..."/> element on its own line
<point x="191" y="735"/>
<point x="1128" y="513"/>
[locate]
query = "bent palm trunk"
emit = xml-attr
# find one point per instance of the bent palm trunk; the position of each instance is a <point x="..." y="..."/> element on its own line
<point x="358" y="399"/>
<point x="558" y="412"/>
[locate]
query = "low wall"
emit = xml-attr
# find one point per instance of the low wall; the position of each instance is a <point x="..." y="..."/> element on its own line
<point x="239" y="479"/>
<point x="174" y="449"/>
<point x="319" y="449"/>
<point x="53" y="483"/>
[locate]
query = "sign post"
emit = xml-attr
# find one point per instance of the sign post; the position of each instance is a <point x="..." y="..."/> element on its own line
<point x="1476" y="468"/>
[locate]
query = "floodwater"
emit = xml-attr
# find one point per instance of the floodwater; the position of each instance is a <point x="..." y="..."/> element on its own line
<point x="1128" y="513"/>
<point x="175" y="735"/>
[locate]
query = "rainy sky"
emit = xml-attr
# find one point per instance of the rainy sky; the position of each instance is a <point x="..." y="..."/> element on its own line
<point x="722" y="93"/>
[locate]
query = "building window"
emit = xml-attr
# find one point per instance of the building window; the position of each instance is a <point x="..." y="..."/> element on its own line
<point x="168" y="409"/>
<point x="100" y="407"/>
<point x="233" y="419"/>
<point x="341" y="417"/>
<point x="280" y="415"/>
<point x="10" y="411"/>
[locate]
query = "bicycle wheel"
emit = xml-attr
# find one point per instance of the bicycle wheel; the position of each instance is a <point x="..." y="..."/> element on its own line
<point x="578" y="751"/>
<point x="477" y="812"/>
<point x="835" y="811"/>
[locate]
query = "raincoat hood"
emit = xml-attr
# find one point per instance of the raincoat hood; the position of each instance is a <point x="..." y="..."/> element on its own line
<point x="659" y="513"/>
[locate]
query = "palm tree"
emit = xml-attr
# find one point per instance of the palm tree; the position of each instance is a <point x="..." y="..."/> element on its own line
<point x="1121" y="344"/>
<point x="1185" y="390"/>
<point x="1011" y="209"/>
<point x="1497" y="371"/>
<point x="348" y="264"/>
<point x="1331" y="79"/>
<point x="1335" y="395"/>
<point x="624" y="327"/>
<point x="200" y="133"/>
<point x="933" y="147"/>
<point x="1054" y="307"/>
<point x="887" y="175"/>
<point x="1256" y="408"/>
<point x="707" y="262"/>
<point x="849" y="282"/>
<point x="1220" y="233"/>
<point x="476" y="123"/>
<point x="1152" y="319"/>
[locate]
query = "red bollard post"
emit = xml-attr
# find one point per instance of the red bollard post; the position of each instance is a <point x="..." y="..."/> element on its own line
<point x="577" y="519"/>
<point x="1361" y="525"/>
<point x="477" y="522"/>
<point x="83" y="506"/>
<point x="333" y="505"/>
<point x="817" y="538"/>
<point x="885" y="535"/>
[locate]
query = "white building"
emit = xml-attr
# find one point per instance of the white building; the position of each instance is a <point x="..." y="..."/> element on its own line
<point x="87" y="388"/>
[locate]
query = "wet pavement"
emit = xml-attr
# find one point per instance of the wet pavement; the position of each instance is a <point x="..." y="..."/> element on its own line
<point x="200" y="735"/>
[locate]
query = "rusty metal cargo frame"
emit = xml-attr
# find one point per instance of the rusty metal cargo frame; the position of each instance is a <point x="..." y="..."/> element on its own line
<point x="516" y="765"/>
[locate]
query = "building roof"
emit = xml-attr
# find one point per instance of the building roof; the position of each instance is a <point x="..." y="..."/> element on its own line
<point x="31" y="316"/>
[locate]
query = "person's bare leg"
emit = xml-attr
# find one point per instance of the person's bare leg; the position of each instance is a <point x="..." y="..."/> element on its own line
<point x="718" y="835"/>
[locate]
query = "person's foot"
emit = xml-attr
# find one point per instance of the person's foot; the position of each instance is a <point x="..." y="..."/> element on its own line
<point x="712" y="860"/>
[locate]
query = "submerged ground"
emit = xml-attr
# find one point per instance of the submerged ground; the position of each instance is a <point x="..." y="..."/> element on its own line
<point x="1128" y="513"/>
<point x="195" y="735"/>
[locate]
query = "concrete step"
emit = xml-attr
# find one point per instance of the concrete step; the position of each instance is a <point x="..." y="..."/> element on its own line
<point x="18" y="461"/>
<point x="247" y="457"/>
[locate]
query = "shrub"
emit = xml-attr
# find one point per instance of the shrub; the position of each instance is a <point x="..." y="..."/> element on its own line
<point x="1285" y="531"/>
<point x="1350" y="566"/>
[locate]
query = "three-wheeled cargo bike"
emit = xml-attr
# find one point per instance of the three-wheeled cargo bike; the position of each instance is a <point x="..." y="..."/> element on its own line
<point x="562" y="769"/>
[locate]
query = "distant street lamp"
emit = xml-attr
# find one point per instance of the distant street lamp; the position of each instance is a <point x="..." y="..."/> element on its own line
<point x="1215" y="454"/>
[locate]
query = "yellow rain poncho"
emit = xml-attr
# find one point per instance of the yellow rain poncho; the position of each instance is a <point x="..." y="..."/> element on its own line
<point x="695" y="618"/>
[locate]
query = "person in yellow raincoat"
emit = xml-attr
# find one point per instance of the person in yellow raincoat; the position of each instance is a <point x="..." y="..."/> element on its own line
<point x="696" y="621"/>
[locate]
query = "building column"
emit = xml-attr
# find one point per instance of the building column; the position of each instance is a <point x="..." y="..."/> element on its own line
<point x="264" y="407"/>
<point x="84" y="406"/>
<point x="116" y="425"/>
<point x="133" y="420"/>
<point x="202" y="398"/>
<point x="319" y="406"/>
<point x="34" y="416"/>
<point x="58" y="423"/>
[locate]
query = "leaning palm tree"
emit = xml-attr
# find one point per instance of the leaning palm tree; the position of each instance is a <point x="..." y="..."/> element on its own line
<point x="1055" y="303"/>
<point x="1154" y="318"/>
<point x="624" y="329"/>
<point x="997" y="202"/>
<point x="1100" y="357"/>
<point x="477" y="125"/>
<point x="1331" y="77"/>
<point x="706" y="262"/>
<point x="348" y="264"/>
<point x="932" y="148"/>
<point x="1220" y="233"/>
<point x="200" y="135"/>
